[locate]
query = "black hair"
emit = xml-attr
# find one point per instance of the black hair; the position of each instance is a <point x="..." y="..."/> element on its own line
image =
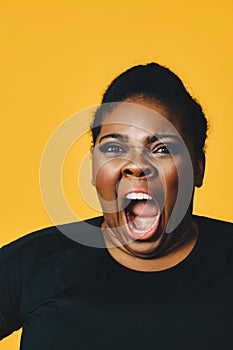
<point x="155" y="82"/>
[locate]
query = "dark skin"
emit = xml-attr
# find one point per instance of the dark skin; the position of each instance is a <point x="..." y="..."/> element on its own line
<point x="127" y="157"/>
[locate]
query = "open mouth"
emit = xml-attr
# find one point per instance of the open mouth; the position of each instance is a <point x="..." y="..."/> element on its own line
<point x="142" y="215"/>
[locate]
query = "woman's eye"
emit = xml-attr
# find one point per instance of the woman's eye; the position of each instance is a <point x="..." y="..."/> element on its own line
<point x="111" y="148"/>
<point x="161" y="149"/>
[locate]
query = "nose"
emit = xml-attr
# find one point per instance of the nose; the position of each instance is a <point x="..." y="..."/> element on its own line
<point x="136" y="170"/>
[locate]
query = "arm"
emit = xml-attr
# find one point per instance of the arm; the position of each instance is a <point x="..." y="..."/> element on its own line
<point x="10" y="287"/>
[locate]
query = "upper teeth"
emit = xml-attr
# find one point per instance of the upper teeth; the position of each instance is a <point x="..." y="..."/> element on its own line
<point x="138" y="195"/>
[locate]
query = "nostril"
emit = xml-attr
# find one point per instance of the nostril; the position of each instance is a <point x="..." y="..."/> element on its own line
<point x="137" y="172"/>
<point x="128" y="172"/>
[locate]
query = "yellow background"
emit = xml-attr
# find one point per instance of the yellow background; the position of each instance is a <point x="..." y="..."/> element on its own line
<point x="57" y="57"/>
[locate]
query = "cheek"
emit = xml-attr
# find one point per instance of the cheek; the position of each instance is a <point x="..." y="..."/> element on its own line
<point x="171" y="178"/>
<point x="171" y="184"/>
<point x="177" y="182"/>
<point x="105" y="177"/>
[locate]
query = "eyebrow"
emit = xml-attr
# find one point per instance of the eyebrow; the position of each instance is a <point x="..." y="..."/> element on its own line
<point x="115" y="136"/>
<point x="157" y="137"/>
<point x="151" y="139"/>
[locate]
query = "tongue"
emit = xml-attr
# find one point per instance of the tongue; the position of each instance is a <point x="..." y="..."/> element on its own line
<point x="141" y="223"/>
<point x="143" y="208"/>
<point x="143" y="219"/>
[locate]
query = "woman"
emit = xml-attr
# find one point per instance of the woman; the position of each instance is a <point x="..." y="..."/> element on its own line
<point x="164" y="278"/>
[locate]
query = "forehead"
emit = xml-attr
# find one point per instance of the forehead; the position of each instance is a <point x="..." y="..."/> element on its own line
<point x="140" y="120"/>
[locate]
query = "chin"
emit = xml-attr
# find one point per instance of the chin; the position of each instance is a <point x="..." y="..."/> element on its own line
<point x="145" y="243"/>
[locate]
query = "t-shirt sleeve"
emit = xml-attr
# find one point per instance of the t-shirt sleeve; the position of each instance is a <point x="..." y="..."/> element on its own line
<point x="24" y="263"/>
<point x="10" y="288"/>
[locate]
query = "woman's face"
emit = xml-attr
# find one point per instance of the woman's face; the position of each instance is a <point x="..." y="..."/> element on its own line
<point x="143" y="165"/>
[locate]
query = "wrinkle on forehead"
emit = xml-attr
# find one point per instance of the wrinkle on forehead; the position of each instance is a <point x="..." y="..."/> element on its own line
<point x="132" y="115"/>
<point x="145" y="119"/>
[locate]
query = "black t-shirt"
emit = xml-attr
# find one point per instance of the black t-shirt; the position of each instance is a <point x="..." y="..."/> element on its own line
<point x="70" y="296"/>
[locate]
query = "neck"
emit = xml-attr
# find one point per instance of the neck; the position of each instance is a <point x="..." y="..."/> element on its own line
<point x="175" y="248"/>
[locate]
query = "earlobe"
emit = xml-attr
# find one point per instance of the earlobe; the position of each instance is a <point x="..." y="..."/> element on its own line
<point x="200" y="170"/>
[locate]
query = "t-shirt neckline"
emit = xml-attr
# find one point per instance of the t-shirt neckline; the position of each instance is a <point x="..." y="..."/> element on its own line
<point x="176" y="268"/>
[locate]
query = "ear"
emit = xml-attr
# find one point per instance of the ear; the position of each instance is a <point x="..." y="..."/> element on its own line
<point x="199" y="170"/>
<point x="92" y="179"/>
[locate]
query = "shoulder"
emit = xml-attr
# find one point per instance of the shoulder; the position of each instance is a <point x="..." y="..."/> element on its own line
<point x="47" y="262"/>
<point x="214" y="256"/>
<point x="214" y="226"/>
<point x="40" y="266"/>
<point x="216" y="240"/>
<point x="215" y="233"/>
<point x="48" y="241"/>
